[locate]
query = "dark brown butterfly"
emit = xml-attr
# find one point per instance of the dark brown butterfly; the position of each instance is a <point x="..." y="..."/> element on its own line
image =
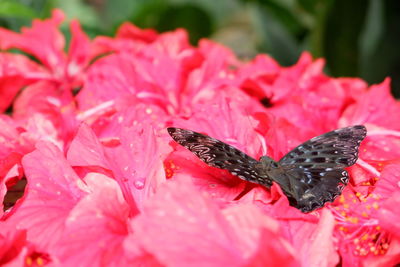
<point x="310" y="175"/>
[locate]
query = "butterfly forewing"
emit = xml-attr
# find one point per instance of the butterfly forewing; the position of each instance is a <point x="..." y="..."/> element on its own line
<point x="315" y="168"/>
<point x="336" y="149"/>
<point x="221" y="155"/>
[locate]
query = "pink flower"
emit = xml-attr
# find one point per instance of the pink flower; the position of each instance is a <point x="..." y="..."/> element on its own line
<point x="107" y="186"/>
<point x="46" y="43"/>
<point x="362" y="218"/>
<point x="175" y="221"/>
<point x="52" y="181"/>
<point x="132" y="164"/>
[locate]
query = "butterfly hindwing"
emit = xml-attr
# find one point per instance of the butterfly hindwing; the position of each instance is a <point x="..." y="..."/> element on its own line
<point x="315" y="168"/>
<point x="221" y="155"/>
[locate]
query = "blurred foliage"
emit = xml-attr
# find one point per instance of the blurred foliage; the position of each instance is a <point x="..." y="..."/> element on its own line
<point x="357" y="38"/>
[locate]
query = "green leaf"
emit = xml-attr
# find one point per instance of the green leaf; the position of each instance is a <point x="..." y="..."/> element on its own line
<point x="194" y="19"/>
<point x="275" y="38"/>
<point x="343" y="29"/>
<point x="14" y="9"/>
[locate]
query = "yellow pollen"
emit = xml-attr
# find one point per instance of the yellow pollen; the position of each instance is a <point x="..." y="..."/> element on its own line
<point x="378" y="228"/>
<point x="169" y="168"/>
<point x="358" y="194"/>
<point x="341" y="199"/>
<point x="353" y="220"/>
<point x="63" y="109"/>
<point x="39" y="261"/>
<point x="343" y="213"/>
<point x="364" y="214"/>
<point x="375" y="205"/>
<point x="29" y="261"/>
<point x="364" y="237"/>
<point x="346" y="206"/>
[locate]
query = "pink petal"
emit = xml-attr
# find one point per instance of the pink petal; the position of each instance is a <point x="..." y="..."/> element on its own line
<point x="174" y="221"/>
<point x="96" y="227"/>
<point x="79" y="52"/>
<point x="318" y="248"/>
<point x="11" y="243"/>
<point x="389" y="213"/>
<point x="137" y="166"/>
<point x="256" y="232"/>
<point x="373" y="107"/>
<point x="53" y="190"/>
<point x="86" y="150"/>
<point x="43" y="40"/>
<point x="16" y="71"/>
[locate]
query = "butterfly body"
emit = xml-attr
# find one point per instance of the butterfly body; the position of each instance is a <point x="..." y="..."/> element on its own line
<point x="310" y="175"/>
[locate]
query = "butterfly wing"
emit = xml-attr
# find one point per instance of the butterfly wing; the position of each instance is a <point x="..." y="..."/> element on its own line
<point x="315" y="169"/>
<point x="221" y="155"/>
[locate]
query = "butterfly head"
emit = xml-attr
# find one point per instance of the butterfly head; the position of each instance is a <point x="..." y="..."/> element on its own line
<point x="269" y="163"/>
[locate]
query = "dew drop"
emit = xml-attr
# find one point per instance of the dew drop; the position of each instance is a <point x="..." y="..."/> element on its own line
<point x="139" y="184"/>
<point x="38" y="184"/>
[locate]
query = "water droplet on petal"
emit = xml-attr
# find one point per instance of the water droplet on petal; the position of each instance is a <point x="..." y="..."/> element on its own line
<point x="139" y="184"/>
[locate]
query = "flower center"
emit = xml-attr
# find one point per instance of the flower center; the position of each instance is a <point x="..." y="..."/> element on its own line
<point x="170" y="168"/>
<point x="361" y="233"/>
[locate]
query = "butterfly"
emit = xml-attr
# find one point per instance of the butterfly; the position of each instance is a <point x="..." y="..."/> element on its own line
<point x="310" y="175"/>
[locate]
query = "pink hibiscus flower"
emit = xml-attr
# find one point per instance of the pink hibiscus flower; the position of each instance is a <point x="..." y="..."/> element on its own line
<point x="107" y="186"/>
<point x="236" y="236"/>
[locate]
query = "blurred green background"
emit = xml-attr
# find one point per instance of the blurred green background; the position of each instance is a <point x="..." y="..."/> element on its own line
<point x="358" y="38"/>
